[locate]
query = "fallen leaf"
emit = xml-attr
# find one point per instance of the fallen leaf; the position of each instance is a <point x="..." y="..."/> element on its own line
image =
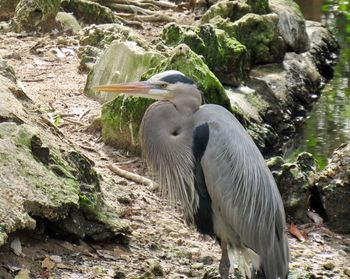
<point x="48" y="263"/>
<point x="296" y="233"/>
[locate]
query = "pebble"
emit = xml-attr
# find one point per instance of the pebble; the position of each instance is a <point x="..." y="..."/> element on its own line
<point x="328" y="265"/>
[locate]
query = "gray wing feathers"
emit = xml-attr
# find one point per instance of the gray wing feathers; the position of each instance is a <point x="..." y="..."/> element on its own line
<point x="246" y="194"/>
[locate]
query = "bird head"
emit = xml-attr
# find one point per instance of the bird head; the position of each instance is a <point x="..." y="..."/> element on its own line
<point x="166" y="86"/>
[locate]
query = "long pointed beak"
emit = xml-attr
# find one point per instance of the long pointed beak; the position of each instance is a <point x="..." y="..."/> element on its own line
<point x="127" y="87"/>
<point x="141" y="89"/>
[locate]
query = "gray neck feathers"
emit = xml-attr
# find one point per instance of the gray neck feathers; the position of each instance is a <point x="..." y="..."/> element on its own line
<point x="166" y="139"/>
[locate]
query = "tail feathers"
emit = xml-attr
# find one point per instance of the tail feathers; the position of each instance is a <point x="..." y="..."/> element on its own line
<point x="245" y="259"/>
<point x="275" y="263"/>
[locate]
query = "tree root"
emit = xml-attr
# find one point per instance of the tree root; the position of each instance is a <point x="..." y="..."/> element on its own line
<point x="133" y="177"/>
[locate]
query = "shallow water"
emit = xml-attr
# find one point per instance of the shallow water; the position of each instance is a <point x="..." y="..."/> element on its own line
<point x="328" y="124"/>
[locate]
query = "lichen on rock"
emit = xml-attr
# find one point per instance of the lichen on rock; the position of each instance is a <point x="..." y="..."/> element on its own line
<point x="235" y="9"/>
<point x="334" y="185"/>
<point x="258" y="33"/>
<point x="94" y="39"/>
<point x="294" y="181"/>
<point x="220" y="51"/>
<point x="32" y="15"/>
<point x="43" y="177"/>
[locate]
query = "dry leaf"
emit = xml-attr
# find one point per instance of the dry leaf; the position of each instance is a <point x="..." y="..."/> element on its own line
<point x="296" y="233"/>
<point x="48" y="263"/>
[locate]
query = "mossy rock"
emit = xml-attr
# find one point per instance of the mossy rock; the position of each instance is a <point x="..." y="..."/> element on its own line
<point x="32" y="15"/>
<point x="121" y="62"/>
<point x="94" y="39"/>
<point x="235" y="9"/>
<point x="121" y="120"/>
<point x="89" y="12"/>
<point x="291" y="24"/>
<point x="68" y="21"/>
<point x="219" y="50"/>
<point x="334" y="185"/>
<point x="258" y="33"/>
<point x="44" y="178"/>
<point x="294" y="181"/>
<point x="183" y="59"/>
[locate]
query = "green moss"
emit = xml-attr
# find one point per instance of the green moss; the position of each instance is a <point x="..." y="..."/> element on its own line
<point x="192" y="65"/>
<point x="259" y="34"/>
<point x="121" y="120"/>
<point x="219" y="50"/>
<point x="89" y="11"/>
<point x="36" y="14"/>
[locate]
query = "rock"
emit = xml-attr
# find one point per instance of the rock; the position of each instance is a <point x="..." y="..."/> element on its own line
<point x="258" y="33"/>
<point x="219" y="50"/>
<point x="44" y="178"/>
<point x="235" y="9"/>
<point x="68" y="21"/>
<point x="328" y="266"/>
<point x="232" y="10"/>
<point x="89" y="12"/>
<point x="323" y="48"/>
<point x="121" y="62"/>
<point x="155" y="267"/>
<point x="121" y="118"/>
<point x="334" y="185"/>
<point x="94" y="39"/>
<point x="294" y="183"/>
<point x="291" y="24"/>
<point x="23" y="274"/>
<point x="7" y="9"/>
<point x="36" y="15"/>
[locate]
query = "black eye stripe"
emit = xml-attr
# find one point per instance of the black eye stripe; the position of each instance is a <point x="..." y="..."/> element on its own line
<point x="174" y="78"/>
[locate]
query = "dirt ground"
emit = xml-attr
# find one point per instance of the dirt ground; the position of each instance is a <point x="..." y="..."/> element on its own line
<point x="161" y="245"/>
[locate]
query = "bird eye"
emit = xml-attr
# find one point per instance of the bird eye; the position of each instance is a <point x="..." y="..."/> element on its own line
<point x="163" y="85"/>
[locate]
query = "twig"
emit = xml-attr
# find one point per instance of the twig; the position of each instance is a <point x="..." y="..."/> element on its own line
<point x="73" y="121"/>
<point x="127" y="162"/>
<point x="132" y="176"/>
<point x="33" y="80"/>
<point x="83" y="114"/>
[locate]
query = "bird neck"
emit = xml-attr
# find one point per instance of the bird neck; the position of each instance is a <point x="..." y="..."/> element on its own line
<point x="188" y="104"/>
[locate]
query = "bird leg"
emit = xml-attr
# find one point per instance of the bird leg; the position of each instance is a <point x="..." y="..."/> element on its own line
<point x="224" y="267"/>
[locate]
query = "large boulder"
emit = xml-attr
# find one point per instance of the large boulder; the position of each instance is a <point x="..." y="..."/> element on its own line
<point x="44" y="178"/>
<point x="291" y="24"/>
<point x="32" y="15"/>
<point x="334" y="185"/>
<point x="219" y="50"/>
<point x="94" y="39"/>
<point x="258" y="33"/>
<point x="121" y="62"/>
<point x="294" y="181"/>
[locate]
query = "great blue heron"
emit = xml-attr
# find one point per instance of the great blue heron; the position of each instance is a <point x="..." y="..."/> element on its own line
<point x="206" y="161"/>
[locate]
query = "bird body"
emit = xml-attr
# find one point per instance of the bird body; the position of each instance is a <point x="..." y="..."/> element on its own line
<point x="208" y="163"/>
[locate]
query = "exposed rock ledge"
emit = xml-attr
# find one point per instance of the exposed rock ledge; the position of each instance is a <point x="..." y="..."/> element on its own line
<point x="43" y="178"/>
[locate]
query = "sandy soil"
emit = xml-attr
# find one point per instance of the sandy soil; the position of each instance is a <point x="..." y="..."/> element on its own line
<point x="160" y="245"/>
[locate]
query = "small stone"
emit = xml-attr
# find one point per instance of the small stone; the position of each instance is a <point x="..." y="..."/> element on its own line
<point x="197" y="266"/>
<point x="16" y="246"/>
<point x="23" y="274"/>
<point x="328" y="265"/>
<point x="155" y="267"/>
